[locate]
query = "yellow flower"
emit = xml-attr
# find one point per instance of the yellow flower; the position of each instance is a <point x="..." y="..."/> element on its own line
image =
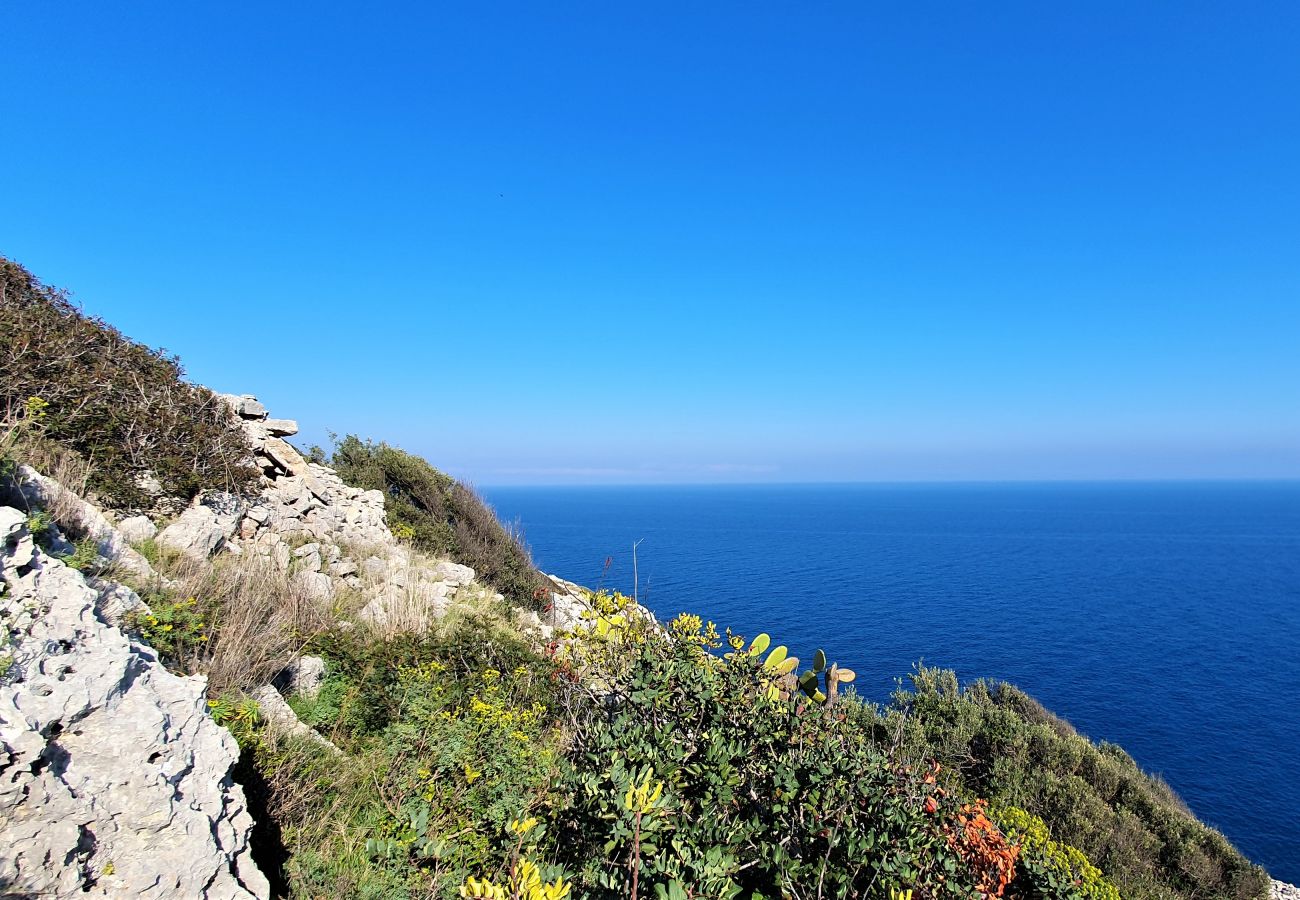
<point x="471" y="774"/>
<point x="521" y="828"/>
<point x="486" y="889"/>
<point x="640" y="798"/>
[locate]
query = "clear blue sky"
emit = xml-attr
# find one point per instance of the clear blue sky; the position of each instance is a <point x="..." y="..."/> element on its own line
<point x="617" y="242"/>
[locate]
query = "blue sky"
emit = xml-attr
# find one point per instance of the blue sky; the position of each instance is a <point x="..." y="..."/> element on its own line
<point x="555" y="243"/>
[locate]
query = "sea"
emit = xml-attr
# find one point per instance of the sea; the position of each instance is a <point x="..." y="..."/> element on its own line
<point x="1164" y="617"/>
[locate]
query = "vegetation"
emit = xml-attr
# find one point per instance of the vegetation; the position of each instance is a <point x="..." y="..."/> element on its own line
<point x="621" y="759"/>
<point x="120" y="407"/>
<point x="440" y="515"/>
<point x="997" y="742"/>
<point x="630" y="760"/>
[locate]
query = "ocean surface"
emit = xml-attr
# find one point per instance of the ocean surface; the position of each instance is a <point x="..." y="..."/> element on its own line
<point x="1164" y="617"/>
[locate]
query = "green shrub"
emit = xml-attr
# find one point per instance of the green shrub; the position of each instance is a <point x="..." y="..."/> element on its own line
<point x="440" y="515"/>
<point x="999" y="743"/>
<point x="1048" y="868"/>
<point x="760" y="797"/>
<point x="117" y="404"/>
<point x="448" y="737"/>
<point x="177" y="628"/>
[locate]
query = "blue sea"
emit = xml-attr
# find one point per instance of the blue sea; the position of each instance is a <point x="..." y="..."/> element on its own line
<point x="1163" y="617"/>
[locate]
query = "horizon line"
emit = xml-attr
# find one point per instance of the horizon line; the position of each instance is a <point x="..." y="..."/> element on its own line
<point x="1222" y="479"/>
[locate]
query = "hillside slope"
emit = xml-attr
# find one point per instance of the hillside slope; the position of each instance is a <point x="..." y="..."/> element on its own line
<point x="412" y="726"/>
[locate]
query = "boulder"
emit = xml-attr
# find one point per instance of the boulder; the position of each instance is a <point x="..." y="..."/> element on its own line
<point x="205" y="527"/>
<point x="282" y="454"/>
<point x="137" y="529"/>
<point x="316" y="585"/>
<point x="281" y="427"/>
<point x="343" y="568"/>
<point x="452" y="573"/>
<point x="248" y="408"/>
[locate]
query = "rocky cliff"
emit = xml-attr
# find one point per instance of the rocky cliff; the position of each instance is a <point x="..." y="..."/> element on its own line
<point x="114" y="779"/>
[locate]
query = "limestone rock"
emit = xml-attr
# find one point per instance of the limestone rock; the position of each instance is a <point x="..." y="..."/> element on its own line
<point x="137" y="529"/>
<point x="41" y="492"/>
<point x="114" y="601"/>
<point x="249" y="408"/>
<point x="453" y="573"/>
<point x="316" y="585"/>
<point x="280" y="715"/>
<point x="282" y="454"/>
<point x="343" y="568"/>
<point x="205" y="527"/>
<point x="280" y="427"/>
<point x="303" y="676"/>
<point x="108" y="758"/>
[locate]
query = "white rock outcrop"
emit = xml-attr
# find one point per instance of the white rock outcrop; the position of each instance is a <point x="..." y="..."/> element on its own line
<point x="137" y="528"/>
<point x="204" y="528"/>
<point x="1280" y="890"/>
<point x="114" y="780"/>
<point x="41" y="492"/>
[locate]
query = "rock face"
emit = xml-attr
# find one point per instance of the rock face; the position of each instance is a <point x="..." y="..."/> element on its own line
<point x="1280" y="890"/>
<point x="38" y="491"/>
<point x="114" y="780"/>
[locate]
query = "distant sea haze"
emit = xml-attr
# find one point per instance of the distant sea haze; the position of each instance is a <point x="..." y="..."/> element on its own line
<point x="1163" y="617"/>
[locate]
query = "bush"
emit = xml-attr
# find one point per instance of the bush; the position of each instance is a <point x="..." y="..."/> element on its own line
<point x="440" y="515"/>
<point x="754" y="797"/>
<point x="999" y="743"/>
<point x="117" y="404"/>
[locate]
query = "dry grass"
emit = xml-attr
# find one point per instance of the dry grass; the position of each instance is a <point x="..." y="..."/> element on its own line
<point x="261" y="618"/>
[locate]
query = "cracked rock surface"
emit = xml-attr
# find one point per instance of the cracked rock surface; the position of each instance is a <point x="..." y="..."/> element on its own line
<point x="114" y="780"/>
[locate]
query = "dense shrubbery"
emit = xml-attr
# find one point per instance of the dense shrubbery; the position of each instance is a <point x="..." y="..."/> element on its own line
<point x="1000" y="744"/>
<point x="760" y="797"/>
<point x="119" y="405"/>
<point x="689" y="779"/>
<point x="664" y="759"/>
<point x="439" y="514"/>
